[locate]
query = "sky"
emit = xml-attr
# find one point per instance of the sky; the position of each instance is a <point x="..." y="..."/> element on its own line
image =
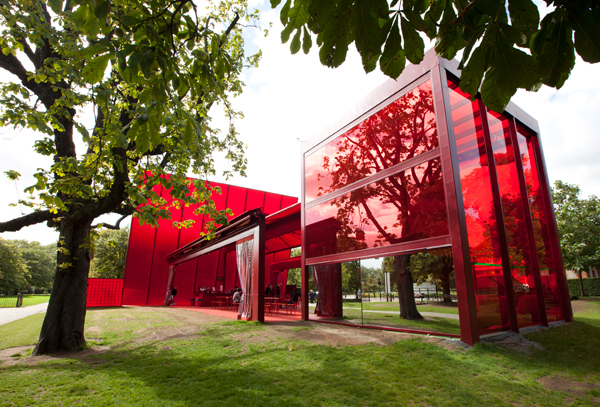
<point x="290" y="98"/>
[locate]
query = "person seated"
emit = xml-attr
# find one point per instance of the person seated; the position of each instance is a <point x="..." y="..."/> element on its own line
<point x="237" y="297"/>
<point x="294" y="296"/>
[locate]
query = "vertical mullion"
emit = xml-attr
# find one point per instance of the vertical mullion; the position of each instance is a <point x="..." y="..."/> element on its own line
<point x="500" y="226"/>
<point x="529" y="223"/>
<point x="553" y="229"/>
<point x="457" y="223"/>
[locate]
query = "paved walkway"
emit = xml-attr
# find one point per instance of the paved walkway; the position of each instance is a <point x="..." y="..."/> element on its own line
<point x="12" y="314"/>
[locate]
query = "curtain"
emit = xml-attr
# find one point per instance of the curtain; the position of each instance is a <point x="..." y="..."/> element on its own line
<point x="244" y="266"/>
<point x="326" y="284"/>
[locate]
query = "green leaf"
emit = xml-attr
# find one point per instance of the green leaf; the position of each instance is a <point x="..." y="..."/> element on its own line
<point x="188" y="132"/>
<point x="306" y="41"/>
<point x="367" y="34"/>
<point x="472" y="74"/>
<point x="275" y="3"/>
<point x="587" y="33"/>
<point x="285" y="10"/>
<point x="414" y="47"/>
<point x="298" y="15"/>
<point x="553" y="49"/>
<point x="393" y="60"/>
<point x="55" y="6"/>
<point x="449" y="38"/>
<point x="336" y="36"/>
<point x="320" y="11"/>
<point x="94" y="69"/>
<point x="285" y="33"/>
<point x="501" y="82"/>
<point x="295" y="44"/>
<point x="101" y="10"/>
<point x="524" y="16"/>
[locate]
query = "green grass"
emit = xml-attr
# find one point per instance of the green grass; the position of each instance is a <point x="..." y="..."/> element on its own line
<point x="213" y="366"/>
<point x="393" y="306"/>
<point x="34" y="299"/>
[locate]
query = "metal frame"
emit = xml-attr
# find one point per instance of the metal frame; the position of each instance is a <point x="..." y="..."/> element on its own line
<point x="436" y="69"/>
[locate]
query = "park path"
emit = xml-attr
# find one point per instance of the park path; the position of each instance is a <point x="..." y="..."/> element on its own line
<point x="12" y="314"/>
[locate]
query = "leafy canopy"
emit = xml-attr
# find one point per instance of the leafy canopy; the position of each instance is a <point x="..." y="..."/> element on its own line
<point x="505" y="45"/>
<point x="578" y="222"/>
<point x="135" y="81"/>
<point x="110" y="249"/>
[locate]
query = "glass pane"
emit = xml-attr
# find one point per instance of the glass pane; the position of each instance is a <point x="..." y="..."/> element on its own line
<point x="400" y="131"/>
<point x="490" y="291"/>
<point x="407" y="206"/>
<point x="541" y="226"/>
<point x="528" y="312"/>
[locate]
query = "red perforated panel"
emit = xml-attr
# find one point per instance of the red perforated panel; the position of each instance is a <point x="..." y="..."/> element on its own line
<point x="104" y="292"/>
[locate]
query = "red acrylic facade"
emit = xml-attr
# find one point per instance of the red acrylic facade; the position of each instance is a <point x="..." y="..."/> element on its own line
<point x="104" y="292"/>
<point x="147" y="269"/>
<point x="392" y="175"/>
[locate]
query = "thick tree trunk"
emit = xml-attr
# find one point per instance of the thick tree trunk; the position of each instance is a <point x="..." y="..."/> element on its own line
<point x="581" y="282"/>
<point x="406" y="292"/>
<point x="63" y="325"/>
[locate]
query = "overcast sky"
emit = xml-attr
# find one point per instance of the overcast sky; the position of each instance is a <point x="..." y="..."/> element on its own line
<point x="292" y="97"/>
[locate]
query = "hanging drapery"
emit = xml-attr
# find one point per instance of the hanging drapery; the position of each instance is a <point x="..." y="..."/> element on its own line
<point x="244" y="265"/>
<point x="325" y="279"/>
<point x="169" y="297"/>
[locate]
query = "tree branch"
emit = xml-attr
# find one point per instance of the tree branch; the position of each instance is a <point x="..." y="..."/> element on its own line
<point x="27" y="220"/>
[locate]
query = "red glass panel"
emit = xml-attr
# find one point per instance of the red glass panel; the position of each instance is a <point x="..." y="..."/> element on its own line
<point x="256" y="199"/>
<point x="272" y="203"/>
<point x="407" y="206"/>
<point x="541" y="227"/>
<point x="190" y="234"/>
<point x="206" y="272"/>
<point x="528" y="312"/>
<point x="400" y="131"/>
<point x="490" y="290"/>
<point x="236" y="200"/>
<point x="231" y="279"/>
<point x="185" y="275"/>
<point x="104" y="292"/>
<point x="136" y="279"/>
<point x="288" y="201"/>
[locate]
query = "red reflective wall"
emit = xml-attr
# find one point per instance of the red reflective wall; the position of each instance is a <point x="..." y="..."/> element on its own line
<point x="402" y="130"/>
<point x="541" y="226"/>
<point x="515" y="223"/>
<point x="482" y="227"/>
<point x="405" y="207"/>
<point x="104" y="292"/>
<point x="146" y="270"/>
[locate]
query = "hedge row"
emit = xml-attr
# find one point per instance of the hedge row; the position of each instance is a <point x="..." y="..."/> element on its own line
<point x="591" y="287"/>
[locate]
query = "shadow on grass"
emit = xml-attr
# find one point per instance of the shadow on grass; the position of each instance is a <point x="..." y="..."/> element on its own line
<point x="216" y="370"/>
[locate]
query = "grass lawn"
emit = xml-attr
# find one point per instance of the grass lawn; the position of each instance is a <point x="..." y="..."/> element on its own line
<point x="171" y="357"/>
<point x="33" y="299"/>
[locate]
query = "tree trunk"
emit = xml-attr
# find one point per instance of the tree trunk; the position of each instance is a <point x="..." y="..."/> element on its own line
<point x="406" y="292"/>
<point x="581" y="282"/>
<point x="63" y="325"/>
<point x="446" y="271"/>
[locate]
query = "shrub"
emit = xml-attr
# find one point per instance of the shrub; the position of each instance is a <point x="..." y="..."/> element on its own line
<point x="591" y="287"/>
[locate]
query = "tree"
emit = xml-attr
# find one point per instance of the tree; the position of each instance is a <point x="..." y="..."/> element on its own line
<point x="40" y="262"/>
<point x="145" y="74"/>
<point x="110" y="252"/>
<point x="578" y="222"/>
<point x="434" y="267"/>
<point x="505" y="45"/>
<point x="13" y="270"/>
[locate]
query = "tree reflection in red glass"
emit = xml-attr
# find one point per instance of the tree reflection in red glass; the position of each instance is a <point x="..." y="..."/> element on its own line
<point x="400" y="131"/>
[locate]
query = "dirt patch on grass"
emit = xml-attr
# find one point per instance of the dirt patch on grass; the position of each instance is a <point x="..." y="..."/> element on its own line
<point x="325" y="334"/>
<point x="584" y="305"/>
<point x="190" y="325"/>
<point x="513" y="341"/>
<point x="572" y="387"/>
